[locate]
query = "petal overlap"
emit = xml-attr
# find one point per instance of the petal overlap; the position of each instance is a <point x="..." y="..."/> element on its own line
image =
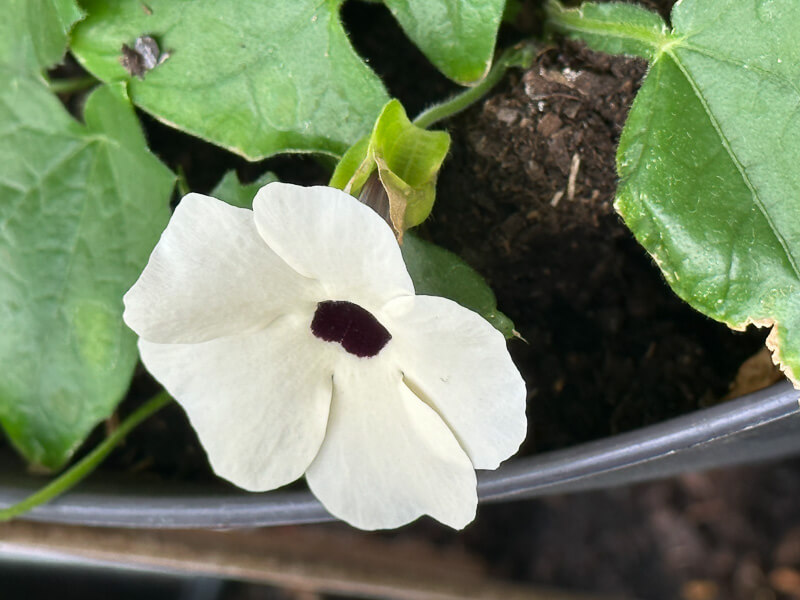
<point x="337" y="240"/>
<point x="193" y="290"/>
<point x="259" y="402"/>
<point x="458" y="363"/>
<point x="398" y="458"/>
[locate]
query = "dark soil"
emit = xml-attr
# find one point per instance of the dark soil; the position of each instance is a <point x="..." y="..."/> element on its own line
<point x="609" y="346"/>
<point x="526" y="198"/>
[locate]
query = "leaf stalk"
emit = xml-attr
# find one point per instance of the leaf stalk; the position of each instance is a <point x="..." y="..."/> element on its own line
<point x="70" y="86"/>
<point x="520" y="55"/>
<point x="80" y="470"/>
<point x="576" y="21"/>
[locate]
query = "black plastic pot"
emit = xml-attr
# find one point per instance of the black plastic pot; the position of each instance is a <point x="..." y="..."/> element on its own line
<point x="759" y="426"/>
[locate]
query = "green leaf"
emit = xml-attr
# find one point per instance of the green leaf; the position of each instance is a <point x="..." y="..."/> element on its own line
<point x="231" y="190"/>
<point x="33" y="33"/>
<point x="407" y="159"/>
<point x="81" y="207"/>
<point x="255" y="77"/>
<point x="458" y="36"/>
<point x="613" y="27"/>
<point x="354" y="168"/>
<point x="438" y="272"/>
<point x="708" y="162"/>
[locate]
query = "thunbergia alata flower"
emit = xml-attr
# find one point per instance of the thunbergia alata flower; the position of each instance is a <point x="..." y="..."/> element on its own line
<point x="292" y="337"/>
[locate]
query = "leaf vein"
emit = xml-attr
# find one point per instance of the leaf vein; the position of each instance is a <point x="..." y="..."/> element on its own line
<point x="737" y="163"/>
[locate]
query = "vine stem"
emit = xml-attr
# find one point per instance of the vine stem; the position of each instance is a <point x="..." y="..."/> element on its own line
<point x="516" y="56"/>
<point x="87" y="464"/>
<point x="654" y="37"/>
<point x="183" y="183"/>
<point x="68" y="86"/>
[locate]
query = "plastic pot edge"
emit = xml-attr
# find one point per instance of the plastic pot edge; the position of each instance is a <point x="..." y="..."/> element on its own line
<point x="758" y="426"/>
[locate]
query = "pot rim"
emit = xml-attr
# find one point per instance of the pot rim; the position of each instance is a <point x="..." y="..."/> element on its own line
<point x="757" y="426"/>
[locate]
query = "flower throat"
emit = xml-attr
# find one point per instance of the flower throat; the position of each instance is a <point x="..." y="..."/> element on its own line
<point x="351" y="326"/>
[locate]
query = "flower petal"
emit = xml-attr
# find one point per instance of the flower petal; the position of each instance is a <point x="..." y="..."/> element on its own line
<point x="328" y="235"/>
<point x="387" y="457"/>
<point x="212" y="275"/>
<point x="258" y="402"/>
<point x="459" y="364"/>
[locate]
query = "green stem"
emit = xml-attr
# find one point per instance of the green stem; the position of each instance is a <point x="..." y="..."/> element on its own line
<point x="183" y="183"/>
<point x="87" y="464"/>
<point x="511" y="11"/>
<point x="68" y="86"/>
<point x="644" y="33"/>
<point x="517" y="56"/>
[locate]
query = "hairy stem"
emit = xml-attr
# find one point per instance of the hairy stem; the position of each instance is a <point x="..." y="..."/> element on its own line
<point x="516" y="56"/>
<point x="68" y="86"/>
<point x="89" y="463"/>
<point x="641" y="36"/>
<point x="183" y="183"/>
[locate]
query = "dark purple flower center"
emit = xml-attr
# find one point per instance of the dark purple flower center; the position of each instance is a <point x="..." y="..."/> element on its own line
<point x="350" y="325"/>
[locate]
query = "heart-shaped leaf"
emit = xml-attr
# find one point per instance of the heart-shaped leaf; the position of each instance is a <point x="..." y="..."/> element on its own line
<point x="457" y="36"/>
<point x="81" y="207"/>
<point x="708" y="160"/>
<point x="255" y="77"/>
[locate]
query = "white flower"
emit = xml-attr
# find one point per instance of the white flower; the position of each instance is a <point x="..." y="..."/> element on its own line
<point x="292" y="338"/>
